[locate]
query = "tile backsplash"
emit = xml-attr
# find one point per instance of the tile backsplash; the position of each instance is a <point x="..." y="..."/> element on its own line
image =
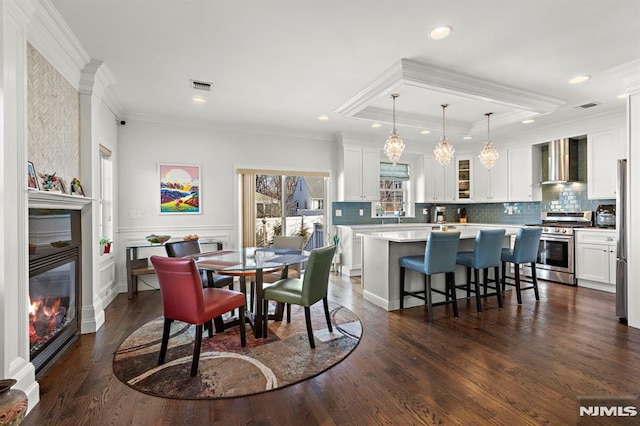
<point x="559" y="197"/>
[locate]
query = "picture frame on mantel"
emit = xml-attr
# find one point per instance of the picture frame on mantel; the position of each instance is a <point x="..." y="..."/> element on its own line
<point x="61" y="185"/>
<point x="180" y="189"/>
<point x="32" y="177"/>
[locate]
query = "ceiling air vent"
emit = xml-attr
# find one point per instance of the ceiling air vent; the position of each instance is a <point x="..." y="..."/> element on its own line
<point x="201" y="85"/>
<point x="587" y="105"/>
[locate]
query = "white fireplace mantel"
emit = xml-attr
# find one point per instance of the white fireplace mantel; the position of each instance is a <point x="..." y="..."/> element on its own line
<point x="56" y="200"/>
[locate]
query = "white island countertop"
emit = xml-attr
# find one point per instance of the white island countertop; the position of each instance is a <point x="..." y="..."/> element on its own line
<point x="467" y="232"/>
<point x="381" y="253"/>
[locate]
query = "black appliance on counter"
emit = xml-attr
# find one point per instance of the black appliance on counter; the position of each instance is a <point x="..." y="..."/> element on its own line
<point x="606" y="216"/>
<point x="555" y="260"/>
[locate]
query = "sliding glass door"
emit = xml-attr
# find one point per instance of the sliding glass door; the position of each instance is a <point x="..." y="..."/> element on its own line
<point x="284" y="204"/>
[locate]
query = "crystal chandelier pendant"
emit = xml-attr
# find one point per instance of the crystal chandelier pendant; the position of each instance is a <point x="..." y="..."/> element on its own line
<point x="394" y="147"/>
<point x="489" y="154"/>
<point x="444" y="151"/>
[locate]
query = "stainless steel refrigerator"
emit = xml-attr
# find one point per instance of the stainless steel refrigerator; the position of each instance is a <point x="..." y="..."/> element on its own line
<point x="621" y="256"/>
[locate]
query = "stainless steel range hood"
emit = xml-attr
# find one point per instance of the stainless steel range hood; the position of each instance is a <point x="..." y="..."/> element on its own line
<point x="565" y="162"/>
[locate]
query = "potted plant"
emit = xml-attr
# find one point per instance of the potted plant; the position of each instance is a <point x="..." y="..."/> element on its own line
<point x="105" y="243"/>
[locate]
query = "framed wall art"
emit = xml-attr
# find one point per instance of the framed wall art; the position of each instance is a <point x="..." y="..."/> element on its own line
<point x="179" y="189"/>
<point x="32" y="177"/>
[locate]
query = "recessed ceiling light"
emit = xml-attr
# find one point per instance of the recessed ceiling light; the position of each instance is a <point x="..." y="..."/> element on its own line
<point x="198" y="100"/>
<point x="529" y="121"/>
<point x="323" y="118"/>
<point x="425" y="132"/>
<point x="440" y="33"/>
<point x="376" y="125"/>
<point x="623" y="96"/>
<point x="466" y="138"/>
<point x="579" y="79"/>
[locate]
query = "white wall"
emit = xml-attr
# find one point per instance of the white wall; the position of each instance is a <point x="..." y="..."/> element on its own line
<point x="219" y="152"/>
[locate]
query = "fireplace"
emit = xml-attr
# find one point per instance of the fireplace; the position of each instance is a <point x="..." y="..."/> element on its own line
<point x="54" y="283"/>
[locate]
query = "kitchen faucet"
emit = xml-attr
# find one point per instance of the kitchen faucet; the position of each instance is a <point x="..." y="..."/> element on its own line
<point x="398" y="217"/>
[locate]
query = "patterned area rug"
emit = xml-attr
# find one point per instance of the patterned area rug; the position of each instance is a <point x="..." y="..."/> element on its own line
<point x="226" y="369"/>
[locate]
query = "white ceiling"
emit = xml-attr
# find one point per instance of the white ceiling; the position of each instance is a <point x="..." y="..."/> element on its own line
<point x="283" y="63"/>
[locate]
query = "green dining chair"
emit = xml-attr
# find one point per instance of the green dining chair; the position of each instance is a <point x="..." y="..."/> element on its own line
<point x="305" y="291"/>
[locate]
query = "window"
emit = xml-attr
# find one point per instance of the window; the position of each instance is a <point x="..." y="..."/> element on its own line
<point x="394" y="189"/>
<point x="106" y="193"/>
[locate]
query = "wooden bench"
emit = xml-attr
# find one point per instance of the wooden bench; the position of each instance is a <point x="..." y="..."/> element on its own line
<point x="137" y="267"/>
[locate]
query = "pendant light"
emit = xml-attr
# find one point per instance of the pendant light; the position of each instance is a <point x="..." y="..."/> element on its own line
<point x="394" y="147"/>
<point x="489" y="154"/>
<point x="444" y="150"/>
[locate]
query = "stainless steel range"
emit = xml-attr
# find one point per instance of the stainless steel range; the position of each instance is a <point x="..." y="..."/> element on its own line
<point x="556" y="250"/>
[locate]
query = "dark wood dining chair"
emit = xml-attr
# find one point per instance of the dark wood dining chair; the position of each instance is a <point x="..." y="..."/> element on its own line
<point x="190" y="247"/>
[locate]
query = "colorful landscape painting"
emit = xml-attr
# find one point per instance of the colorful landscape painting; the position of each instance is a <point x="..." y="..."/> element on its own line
<point x="179" y="189"/>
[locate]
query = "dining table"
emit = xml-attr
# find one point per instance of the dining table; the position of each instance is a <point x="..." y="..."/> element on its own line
<point x="250" y="262"/>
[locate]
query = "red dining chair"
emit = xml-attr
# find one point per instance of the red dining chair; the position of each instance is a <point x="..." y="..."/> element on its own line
<point x="184" y="299"/>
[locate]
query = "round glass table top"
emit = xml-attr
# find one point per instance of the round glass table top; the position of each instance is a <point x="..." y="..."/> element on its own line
<point x="249" y="258"/>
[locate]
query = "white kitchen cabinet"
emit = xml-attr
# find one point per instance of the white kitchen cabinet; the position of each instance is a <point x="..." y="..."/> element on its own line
<point x="604" y="149"/>
<point x="596" y="259"/>
<point x="490" y="186"/>
<point x="440" y="182"/>
<point x="361" y="174"/>
<point x="523" y="175"/>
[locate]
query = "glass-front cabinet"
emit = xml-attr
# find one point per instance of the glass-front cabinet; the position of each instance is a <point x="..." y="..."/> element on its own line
<point x="464" y="178"/>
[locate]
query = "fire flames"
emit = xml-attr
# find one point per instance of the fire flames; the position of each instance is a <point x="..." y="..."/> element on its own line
<point x="45" y="319"/>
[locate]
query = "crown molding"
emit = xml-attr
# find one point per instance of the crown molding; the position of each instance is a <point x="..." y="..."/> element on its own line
<point x="237" y="128"/>
<point x="50" y="35"/>
<point x="448" y="81"/>
<point x="523" y="103"/>
<point x="96" y="77"/>
<point x="629" y="73"/>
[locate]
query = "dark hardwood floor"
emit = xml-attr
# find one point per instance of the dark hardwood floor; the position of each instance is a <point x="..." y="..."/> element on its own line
<point x="523" y="365"/>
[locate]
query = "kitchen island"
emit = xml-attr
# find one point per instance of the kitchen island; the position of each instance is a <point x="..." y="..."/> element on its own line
<point x="381" y="252"/>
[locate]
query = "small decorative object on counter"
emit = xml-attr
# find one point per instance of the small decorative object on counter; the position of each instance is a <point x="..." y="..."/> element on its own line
<point x="157" y="239"/>
<point x="13" y="403"/>
<point x="463" y="215"/>
<point x="191" y="237"/>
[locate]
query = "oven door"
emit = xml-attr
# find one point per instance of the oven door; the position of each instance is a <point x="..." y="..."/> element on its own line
<point x="555" y="253"/>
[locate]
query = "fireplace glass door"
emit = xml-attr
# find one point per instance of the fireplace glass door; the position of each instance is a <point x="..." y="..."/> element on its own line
<point x="54" y="283"/>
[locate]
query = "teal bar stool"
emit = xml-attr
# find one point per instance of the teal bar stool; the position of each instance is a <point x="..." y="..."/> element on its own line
<point x="486" y="254"/>
<point x="439" y="258"/>
<point x="525" y="250"/>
